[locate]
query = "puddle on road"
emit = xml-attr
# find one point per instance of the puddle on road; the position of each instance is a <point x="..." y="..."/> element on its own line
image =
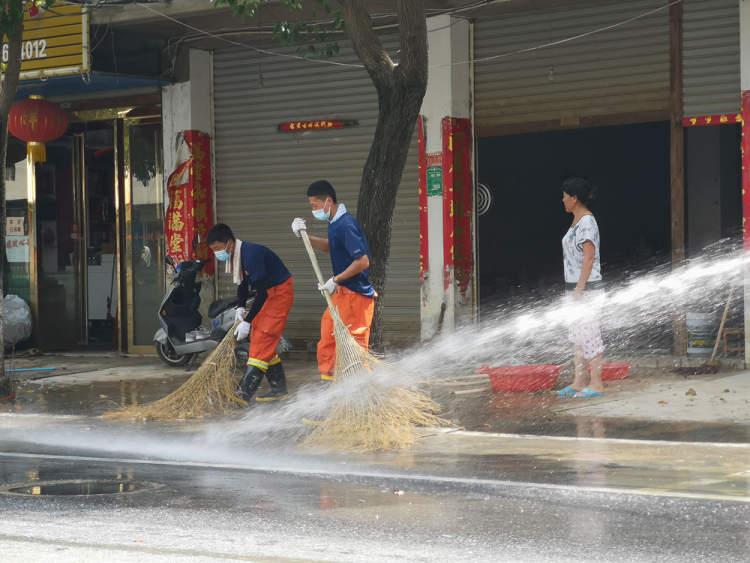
<point x="90" y="399"/>
<point x="79" y="488"/>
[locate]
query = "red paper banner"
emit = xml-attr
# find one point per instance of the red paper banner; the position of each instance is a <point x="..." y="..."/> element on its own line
<point x="424" y="248"/>
<point x="315" y="125"/>
<point x="745" y="148"/>
<point x="190" y="213"/>
<point x="458" y="203"/>
<point x="708" y="120"/>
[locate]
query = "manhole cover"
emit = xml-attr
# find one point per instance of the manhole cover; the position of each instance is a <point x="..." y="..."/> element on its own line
<point x="79" y="487"/>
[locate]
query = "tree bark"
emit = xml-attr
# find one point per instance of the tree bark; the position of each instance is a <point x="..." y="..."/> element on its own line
<point x="401" y="89"/>
<point x="7" y="94"/>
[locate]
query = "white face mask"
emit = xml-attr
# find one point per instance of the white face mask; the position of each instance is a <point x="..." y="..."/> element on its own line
<point x="322" y="214"/>
<point x="222" y="255"/>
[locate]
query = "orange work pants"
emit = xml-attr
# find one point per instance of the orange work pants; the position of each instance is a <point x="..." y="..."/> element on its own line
<point x="268" y="326"/>
<point x="356" y="310"/>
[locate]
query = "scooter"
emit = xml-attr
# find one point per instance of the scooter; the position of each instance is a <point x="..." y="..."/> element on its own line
<point x="180" y="339"/>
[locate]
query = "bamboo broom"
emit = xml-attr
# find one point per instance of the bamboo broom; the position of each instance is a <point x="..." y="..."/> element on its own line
<point x="210" y="391"/>
<point x="373" y="416"/>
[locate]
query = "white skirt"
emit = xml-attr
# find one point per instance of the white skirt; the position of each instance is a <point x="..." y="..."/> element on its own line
<point x="585" y="331"/>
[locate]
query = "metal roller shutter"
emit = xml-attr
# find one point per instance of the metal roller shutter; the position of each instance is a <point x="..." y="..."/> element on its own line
<point x="261" y="174"/>
<point x="711" y="57"/>
<point x="620" y="71"/>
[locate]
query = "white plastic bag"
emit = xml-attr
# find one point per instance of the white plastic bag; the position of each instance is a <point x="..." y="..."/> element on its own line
<point x="16" y="320"/>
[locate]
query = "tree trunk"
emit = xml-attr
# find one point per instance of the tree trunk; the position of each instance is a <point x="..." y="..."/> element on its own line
<point x="400" y="89"/>
<point x="399" y="110"/>
<point x="7" y="94"/>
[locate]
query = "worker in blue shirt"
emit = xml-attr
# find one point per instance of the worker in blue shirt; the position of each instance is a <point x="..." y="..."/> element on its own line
<point x="351" y="291"/>
<point x="256" y="267"/>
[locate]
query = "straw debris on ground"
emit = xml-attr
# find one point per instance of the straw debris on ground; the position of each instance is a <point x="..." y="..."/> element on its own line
<point x="210" y="391"/>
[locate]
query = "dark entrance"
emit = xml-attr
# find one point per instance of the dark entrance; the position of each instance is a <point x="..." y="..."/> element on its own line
<point x="76" y="240"/>
<point x="519" y="237"/>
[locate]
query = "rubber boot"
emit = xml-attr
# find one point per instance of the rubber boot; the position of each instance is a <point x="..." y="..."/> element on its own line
<point x="250" y="383"/>
<point x="277" y="381"/>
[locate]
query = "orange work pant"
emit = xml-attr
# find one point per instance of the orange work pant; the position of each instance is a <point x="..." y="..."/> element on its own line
<point x="356" y="310"/>
<point x="268" y="326"/>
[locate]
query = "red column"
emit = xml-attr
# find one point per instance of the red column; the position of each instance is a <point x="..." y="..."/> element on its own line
<point x="746" y="168"/>
<point x="448" y="203"/>
<point x="424" y="248"/>
<point x="458" y="203"/>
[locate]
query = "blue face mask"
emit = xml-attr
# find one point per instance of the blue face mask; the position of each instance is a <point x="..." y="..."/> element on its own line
<point x="222" y="255"/>
<point x="322" y="214"/>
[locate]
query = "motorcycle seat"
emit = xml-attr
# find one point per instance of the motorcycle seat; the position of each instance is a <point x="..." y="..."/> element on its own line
<point x="218" y="307"/>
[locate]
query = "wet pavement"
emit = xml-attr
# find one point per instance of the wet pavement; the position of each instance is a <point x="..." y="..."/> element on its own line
<point x="418" y="506"/>
<point x="586" y="491"/>
<point x="650" y="405"/>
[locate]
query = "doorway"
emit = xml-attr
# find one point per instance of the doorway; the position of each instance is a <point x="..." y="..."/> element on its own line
<point x="101" y="234"/>
<point x="97" y="214"/>
<point x="519" y="235"/>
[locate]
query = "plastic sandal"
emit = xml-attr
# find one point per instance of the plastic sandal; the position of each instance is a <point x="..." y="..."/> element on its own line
<point x="588" y="393"/>
<point x="567" y="392"/>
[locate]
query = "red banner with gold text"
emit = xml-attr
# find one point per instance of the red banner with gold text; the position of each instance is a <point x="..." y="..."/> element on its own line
<point x="190" y="212"/>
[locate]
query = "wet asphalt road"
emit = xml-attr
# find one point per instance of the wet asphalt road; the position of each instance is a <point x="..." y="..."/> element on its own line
<point x="496" y="498"/>
<point x="199" y="512"/>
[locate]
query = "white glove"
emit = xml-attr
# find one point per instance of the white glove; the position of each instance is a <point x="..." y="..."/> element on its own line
<point x="240" y="313"/>
<point x="242" y="331"/>
<point x="330" y="286"/>
<point x="298" y="225"/>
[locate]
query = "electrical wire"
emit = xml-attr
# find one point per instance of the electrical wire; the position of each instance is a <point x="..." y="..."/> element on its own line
<point x="220" y="35"/>
<point x="565" y="40"/>
<point x="473" y="6"/>
<point x="245" y="45"/>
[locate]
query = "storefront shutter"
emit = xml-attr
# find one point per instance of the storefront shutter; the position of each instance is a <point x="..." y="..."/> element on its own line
<point x="262" y="174"/>
<point x="622" y="71"/>
<point x="711" y="57"/>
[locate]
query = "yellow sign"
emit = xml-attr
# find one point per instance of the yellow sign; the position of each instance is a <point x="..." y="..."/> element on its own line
<point x="55" y="42"/>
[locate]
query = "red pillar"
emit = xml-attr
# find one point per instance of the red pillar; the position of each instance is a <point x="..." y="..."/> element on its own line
<point x="424" y="247"/>
<point x="746" y="169"/>
<point x="458" y="206"/>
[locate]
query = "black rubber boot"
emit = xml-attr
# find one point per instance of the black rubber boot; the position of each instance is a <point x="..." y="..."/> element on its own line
<point x="277" y="381"/>
<point x="250" y="383"/>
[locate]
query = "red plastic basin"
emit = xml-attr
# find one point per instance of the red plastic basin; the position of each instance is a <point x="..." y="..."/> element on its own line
<point x="615" y="370"/>
<point x="522" y="379"/>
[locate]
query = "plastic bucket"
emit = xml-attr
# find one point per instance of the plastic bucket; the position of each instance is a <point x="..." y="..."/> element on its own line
<point x="701" y="333"/>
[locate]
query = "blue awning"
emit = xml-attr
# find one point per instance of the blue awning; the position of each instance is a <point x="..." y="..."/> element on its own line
<point x="70" y="86"/>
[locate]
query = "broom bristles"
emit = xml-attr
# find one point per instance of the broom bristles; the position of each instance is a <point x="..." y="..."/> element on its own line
<point x="210" y="391"/>
<point x="378" y="417"/>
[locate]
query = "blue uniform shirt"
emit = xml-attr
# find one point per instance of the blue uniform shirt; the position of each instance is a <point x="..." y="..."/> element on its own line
<point x="261" y="266"/>
<point x="346" y="243"/>
<point x="262" y="269"/>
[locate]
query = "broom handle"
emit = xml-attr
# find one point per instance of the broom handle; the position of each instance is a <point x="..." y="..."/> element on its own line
<point x="316" y="266"/>
<point x="722" y="323"/>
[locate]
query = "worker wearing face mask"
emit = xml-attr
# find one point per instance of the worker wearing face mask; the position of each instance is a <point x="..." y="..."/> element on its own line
<point x="256" y="267"/>
<point x="351" y="291"/>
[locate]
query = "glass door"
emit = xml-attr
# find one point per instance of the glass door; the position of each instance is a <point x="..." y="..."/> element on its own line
<point x="58" y="227"/>
<point x="145" y="272"/>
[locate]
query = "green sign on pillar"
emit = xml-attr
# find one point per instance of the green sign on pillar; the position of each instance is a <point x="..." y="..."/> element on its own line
<point x="434" y="180"/>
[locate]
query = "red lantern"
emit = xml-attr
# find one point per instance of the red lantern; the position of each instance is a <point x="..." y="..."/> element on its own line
<point x="37" y="121"/>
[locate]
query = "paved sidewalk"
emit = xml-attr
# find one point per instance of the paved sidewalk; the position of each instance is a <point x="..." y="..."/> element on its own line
<point x="719" y="398"/>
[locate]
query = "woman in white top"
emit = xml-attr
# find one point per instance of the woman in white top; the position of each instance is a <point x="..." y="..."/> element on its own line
<point x="583" y="280"/>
